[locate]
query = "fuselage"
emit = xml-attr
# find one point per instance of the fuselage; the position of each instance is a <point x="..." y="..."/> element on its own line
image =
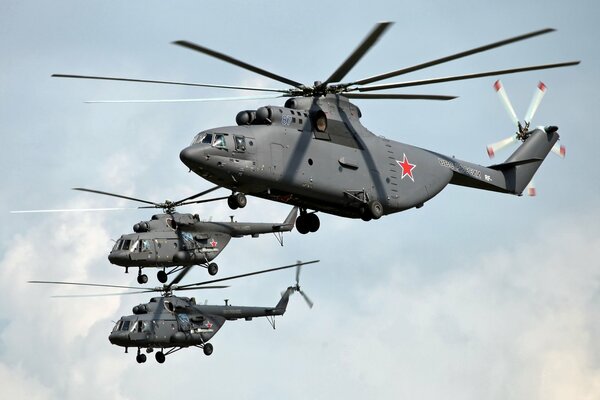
<point x="335" y="165"/>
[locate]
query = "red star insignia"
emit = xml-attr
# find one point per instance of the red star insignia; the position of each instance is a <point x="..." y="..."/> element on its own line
<point x="407" y="168"/>
<point x="209" y="324"/>
<point x="213" y="243"/>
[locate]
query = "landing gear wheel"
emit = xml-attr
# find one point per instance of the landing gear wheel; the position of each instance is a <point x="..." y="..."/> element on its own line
<point x="365" y="215"/>
<point x="302" y="225"/>
<point x="232" y="203"/>
<point x="312" y="221"/>
<point x="160" y="357"/>
<point x="213" y="268"/>
<point x="375" y="209"/>
<point x="208" y="349"/>
<point x="162" y="276"/>
<point x="142" y="279"/>
<point x="140" y="358"/>
<point x="237" y="200"/>
<point x="240" y="199"/>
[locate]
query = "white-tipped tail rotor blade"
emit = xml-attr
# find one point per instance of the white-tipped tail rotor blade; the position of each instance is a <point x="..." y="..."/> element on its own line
<point x="540" y="91"/>
<point x="494" y="147"/>
<point x="531" y="190"/>
<point x="506" y="102"/>
<point x="559" y="150"/>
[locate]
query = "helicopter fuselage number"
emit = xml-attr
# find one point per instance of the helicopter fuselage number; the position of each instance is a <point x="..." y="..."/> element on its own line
<point x="463" y="169"/>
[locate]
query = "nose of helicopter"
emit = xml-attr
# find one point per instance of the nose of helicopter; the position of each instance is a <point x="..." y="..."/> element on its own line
<point x="192" y="155"/>
<point x="118" y="257"/>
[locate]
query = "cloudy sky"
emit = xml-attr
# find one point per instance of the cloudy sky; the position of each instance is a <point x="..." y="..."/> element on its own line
<point x="476" y="295"/>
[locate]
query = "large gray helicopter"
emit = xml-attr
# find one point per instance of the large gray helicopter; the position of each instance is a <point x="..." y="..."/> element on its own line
<point x="173" y="323"/>
<point x="314" y="152"/>
<point x="171" y="239"/>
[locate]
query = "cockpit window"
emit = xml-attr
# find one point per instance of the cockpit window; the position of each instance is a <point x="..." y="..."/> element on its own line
<point x="117" y="244"/>
<point x="219" y="141"/>
<point x="126" y="244"/>
<point x="125" y="325"/>
<point x="203" y="137"/>
<point x="207" y="138"/>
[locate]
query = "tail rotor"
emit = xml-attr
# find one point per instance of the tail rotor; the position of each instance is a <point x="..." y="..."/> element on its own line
<point x="297" y="288"/>
<point x="522" y="132"/>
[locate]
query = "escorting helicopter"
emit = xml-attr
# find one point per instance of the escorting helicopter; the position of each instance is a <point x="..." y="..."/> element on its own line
<point x="314" y="152"/>
<point x="174" y="323"/>
<point x="172" y="240"/>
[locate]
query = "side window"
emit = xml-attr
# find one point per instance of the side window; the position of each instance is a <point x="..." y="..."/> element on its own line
<point x="220" y="141"/>
<point x="240" y="143"/>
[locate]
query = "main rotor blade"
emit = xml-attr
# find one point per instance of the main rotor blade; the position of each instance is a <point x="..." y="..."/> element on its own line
<point x="202" y="201"/>
<point x="358" y="53"/>
<point x="198" y="194"/>
<point x="94" y="285"/>
<point x="73" y="210"/>
<point x="378" y="96"/>
<point x="117" y="195"/>
<point x="466" y="53"/>
<point x="179" y="277"/>
<point x="463" y="77"/>
<point x="231" y="60"/>
<point x="201" y="100"/>
<point x="244" y="275"/>
<point x="111" y="78"/>
<point x="61" y="296"/>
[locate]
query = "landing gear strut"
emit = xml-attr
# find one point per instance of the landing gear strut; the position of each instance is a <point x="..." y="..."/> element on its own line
<point x="371" y="210"/>
<point x="307" y="222"/>
<point x="140" y="358"/>
<point x="237" y="200"/>
<point x="162" y="276"/>
<point x="142" y="278"/>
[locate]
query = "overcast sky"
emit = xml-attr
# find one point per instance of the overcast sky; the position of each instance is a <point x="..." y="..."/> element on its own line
<point x="475" y="295"/>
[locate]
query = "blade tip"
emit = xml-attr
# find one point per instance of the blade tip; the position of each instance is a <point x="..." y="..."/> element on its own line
<point x="490" y="151"/>
<point x="542" y="86"/>
<point x="497" y="85"/>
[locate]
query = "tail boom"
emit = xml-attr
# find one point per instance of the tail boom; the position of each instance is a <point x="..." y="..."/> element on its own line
<point x="511" y="176"/>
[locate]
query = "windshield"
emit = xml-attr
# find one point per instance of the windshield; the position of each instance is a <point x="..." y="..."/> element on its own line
<point x="203" y="137"/>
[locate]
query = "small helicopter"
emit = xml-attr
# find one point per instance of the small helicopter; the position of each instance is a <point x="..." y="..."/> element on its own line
<point x="174" y="323"/>
<point x="172" y="240"/>
<point x="314" y="152"/>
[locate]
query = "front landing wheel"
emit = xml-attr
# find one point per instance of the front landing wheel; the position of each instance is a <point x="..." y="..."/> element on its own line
<point x="162" y="276"/>
<point x="208" y="349"/>
<point x="213" y="268"/>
